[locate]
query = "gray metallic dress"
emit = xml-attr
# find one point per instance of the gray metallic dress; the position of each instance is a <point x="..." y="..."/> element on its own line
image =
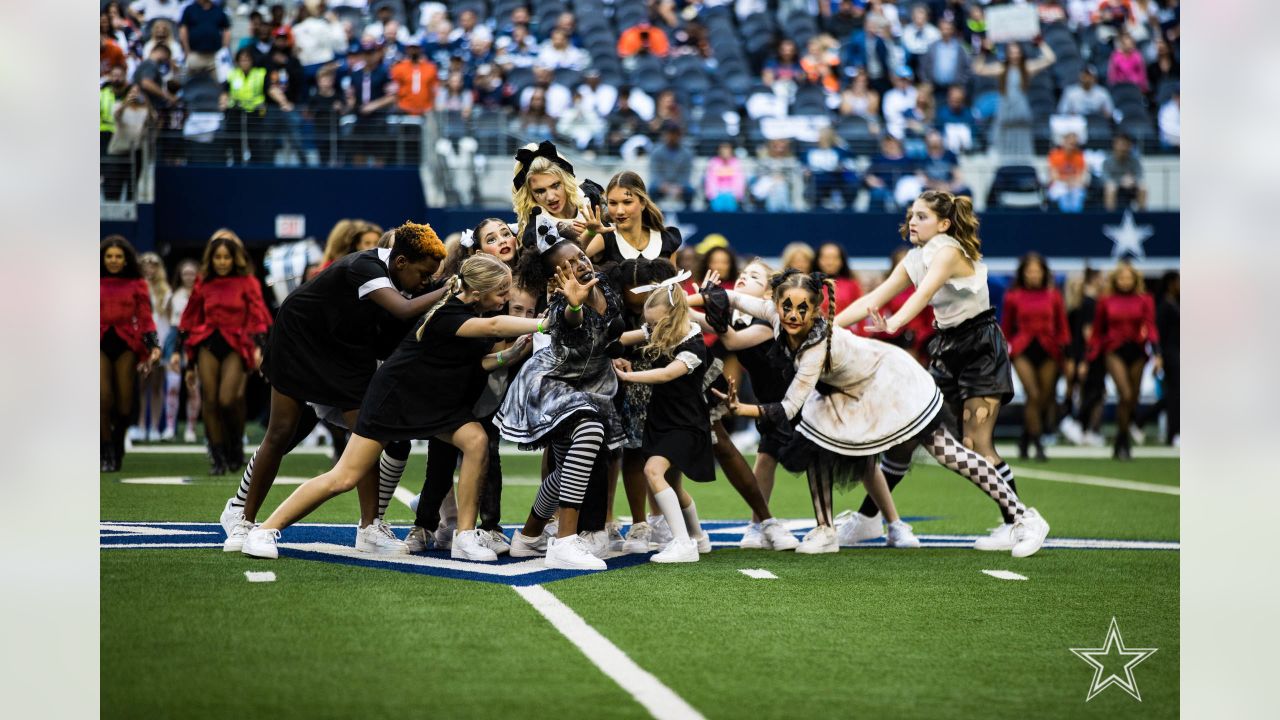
<point x="571" y="378"/>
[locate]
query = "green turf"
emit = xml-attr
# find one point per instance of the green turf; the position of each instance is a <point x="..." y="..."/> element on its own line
<point x="901" y="633"/>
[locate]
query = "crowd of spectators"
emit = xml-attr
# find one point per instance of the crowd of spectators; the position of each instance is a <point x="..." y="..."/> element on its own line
<point x="813" y="102"/>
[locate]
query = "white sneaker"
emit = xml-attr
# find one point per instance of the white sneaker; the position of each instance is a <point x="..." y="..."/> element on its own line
<point x="572" y="553"/>
<point x="377" y="538"/>
<point x="614" y="529"/>
<point x="261" y="543"/>
<point x="1001" y="538"/>
<point x="703" y="542"/>
<point x="900" y="536"/>
<point x="821" y="539"/>
<point x="661" y="531"/>
<point x="168" y="435"/>
<point x="638" y="536"/>
<point x="524" y="546"/>
<point x="596" y="543"/>
<point x="778" y="536"/>
<point x="1177" y="441"/>
<point x="1093" y="439"/>
<point x="466" y="545"/>
<point x="231" y="516"/>
<point x="854" y="527"/>
<point x="413" y="504"/>
<point x="419" y="540"/>
<point x="235" y="538"/>
<point x="677" y="551"/>
<point x="1137" y="435"/>
<point x="1029" y="534"/>
<point x="444" y="535"/>
<point x="188" y="436"/>
<point x="552" y="529"/>
<point x="1071" y="430"/>
<point x="496" y="541"/>
<point x="753" y="538"/>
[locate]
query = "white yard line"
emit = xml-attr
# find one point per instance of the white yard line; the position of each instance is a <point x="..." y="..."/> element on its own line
<point x="658" y="699"/>
<point x="1005" y="575"/>
<point x="1038" y="474"/>
<point x="404" y="495"/>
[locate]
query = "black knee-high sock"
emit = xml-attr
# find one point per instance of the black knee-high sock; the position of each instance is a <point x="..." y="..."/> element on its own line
<point x="1006" y="472"/>
<point x="390" y="469"/>
<point x="893" y="471"/>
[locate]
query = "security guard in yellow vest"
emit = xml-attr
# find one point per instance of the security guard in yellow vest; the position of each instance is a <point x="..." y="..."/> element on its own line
<point x="109" y="97"/>
<point x="245" y="101"/>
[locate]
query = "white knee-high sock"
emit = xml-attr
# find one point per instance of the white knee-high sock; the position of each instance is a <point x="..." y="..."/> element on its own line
<point x="669" y="504"/>
<point x="692" y="526"/>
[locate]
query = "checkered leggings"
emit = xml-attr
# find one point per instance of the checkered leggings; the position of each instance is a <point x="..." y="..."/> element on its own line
<point x="949" y="451"/>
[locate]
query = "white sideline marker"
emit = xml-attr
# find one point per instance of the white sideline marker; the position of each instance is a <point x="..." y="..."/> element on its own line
<point x="1005" y="575"/>
<point x="259" y="576"/>
<point x="759" y="574"/>
<point x="661" y="702"/>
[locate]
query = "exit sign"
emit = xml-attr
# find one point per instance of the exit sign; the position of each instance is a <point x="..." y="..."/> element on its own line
<point x="291" y="227"/>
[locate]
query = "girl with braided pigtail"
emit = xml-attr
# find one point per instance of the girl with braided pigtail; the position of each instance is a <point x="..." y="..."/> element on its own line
<point x="448" y="348"/>
<point x="855" y="399"/>
<point x="969" y="356"/>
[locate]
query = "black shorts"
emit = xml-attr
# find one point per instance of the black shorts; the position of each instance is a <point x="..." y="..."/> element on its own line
<point x="112" y="346"/>
<point x="1131" y="352"/>
<point x="217" y="346"/>
<point x="972" y="360"/>
<point x="1036" y="354"/>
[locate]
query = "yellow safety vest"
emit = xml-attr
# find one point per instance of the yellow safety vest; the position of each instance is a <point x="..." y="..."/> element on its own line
<point x="247" y="92"/>
<point x="106" y="109"/>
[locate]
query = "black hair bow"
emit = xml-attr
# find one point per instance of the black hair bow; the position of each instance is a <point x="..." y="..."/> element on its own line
<point x="525" y="157"/>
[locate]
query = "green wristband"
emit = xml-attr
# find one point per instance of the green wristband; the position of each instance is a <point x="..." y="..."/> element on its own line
<point x="574" y="308"/>
<point x="501" y="362"/>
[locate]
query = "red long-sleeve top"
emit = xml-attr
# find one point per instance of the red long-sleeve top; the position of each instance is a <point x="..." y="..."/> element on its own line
<point x="1038" y="315"/>
<point x="847" y="290"/>
<point x="125" y="306"/>
<point x="921" y="325"/>
<point x="231" y="305"/>
<point x="1123" y="318"/>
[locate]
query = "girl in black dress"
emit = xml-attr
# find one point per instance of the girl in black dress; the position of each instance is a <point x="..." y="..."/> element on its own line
<point x="637" y="229"/>
<point x="563" y="397"/>
<point x="323" y="349"/>
<point x="427" y="388"/>
<point x="677" y="430"/>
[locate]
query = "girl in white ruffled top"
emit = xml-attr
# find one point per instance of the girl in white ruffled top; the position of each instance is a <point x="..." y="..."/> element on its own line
<point x="969" y="356"/>
<point x="852" y="399"/>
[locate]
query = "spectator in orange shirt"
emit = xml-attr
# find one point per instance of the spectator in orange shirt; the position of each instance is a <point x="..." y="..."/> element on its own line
<point x="1067" y="176"/>
<point x="643" y="37"/>
<point x="417" y="80"/>
<point x="109" y="53"/>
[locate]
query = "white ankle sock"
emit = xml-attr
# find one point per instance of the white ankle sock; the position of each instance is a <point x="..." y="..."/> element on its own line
<point x="670" y="506"/>
<point x="692" y="526"/>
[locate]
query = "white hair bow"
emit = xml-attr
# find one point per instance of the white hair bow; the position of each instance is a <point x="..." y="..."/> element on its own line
<point x="670" y="284"/>
<point x="468" y="238"/>
<point x="546" y="232"/>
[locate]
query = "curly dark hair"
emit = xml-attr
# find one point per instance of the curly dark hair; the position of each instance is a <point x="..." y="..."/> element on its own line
<point x="131" y="268"/>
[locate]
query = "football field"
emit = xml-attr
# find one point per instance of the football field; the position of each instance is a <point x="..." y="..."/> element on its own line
<point x="937" y="632"/>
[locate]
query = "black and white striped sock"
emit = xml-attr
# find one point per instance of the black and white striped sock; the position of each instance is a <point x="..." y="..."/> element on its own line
<point x="390" y="469"/>
<point x="242" y="494"/>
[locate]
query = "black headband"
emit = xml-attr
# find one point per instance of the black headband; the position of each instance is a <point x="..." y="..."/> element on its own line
<point x="526" y="157"/>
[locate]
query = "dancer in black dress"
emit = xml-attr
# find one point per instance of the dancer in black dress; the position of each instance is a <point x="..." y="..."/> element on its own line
<point x="401" y="404"/>
<point x="638" y="229"/>
<point x="323" y="349"/>
<point x="563" y="396"/>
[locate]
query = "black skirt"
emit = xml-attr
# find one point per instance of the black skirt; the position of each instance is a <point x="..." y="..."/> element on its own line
<point x="112" y="346"/>
<point x="971" y="360"/>
<point x="689" y="451"/>
<point x="844" y="471"/>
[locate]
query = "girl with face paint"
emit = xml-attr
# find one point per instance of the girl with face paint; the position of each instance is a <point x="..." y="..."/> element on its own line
<point x="127" y="343"/>
<point x="224" y="328"/>
<point x="544" y="180"/>
<point x="562" y="397"/>
<point x="969" y="356"/>
<point x="856" y="398"/>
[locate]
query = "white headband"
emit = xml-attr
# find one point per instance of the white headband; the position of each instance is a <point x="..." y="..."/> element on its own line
<point x="670" y="284"/>
<point x="468" y="238"/>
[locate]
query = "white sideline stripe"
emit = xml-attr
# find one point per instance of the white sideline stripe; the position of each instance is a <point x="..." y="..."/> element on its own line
<point x="661" y="702"/>
<point x="188" y="480"/>
<point x="1037" y="474"/>
<point x="524" y="567"/>
<point x="758" y="574"/>
<point x="130" y="546"/>
<point x="260" y="576"/>
<point x="1005" y="575"/>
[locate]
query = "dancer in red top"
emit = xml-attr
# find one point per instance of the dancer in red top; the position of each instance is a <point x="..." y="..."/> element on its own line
<point x="833" y="261"/>
<point x="224" y="327"/>
<point x="126" y="332"/>
<point x="1123" y="326"/>
<point x="1035" y="323"/>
